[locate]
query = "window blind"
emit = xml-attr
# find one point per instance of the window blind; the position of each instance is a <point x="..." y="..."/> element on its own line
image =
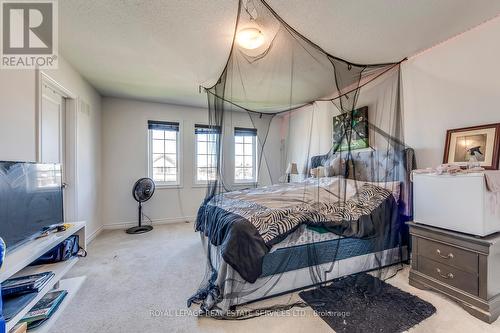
<point x="240" y="131"/>
<point x="206" y="129"/>
<point x="163" y="125"/>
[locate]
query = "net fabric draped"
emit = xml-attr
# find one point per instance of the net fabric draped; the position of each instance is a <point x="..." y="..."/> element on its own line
<point x="339" y="121"/>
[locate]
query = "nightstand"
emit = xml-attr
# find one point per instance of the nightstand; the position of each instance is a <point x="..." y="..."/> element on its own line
<point x="465" y="268"/>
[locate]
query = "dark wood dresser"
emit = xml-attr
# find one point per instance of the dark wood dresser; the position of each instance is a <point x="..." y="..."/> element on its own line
<point x="462" y="267"/>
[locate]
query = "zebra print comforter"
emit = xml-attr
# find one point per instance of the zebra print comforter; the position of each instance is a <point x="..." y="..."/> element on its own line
<point x="245" y="224"/>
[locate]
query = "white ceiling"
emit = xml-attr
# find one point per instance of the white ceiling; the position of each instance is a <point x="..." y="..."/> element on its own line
<point x="162" y="50"/>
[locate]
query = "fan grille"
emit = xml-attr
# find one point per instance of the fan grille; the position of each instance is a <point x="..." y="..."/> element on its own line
<point x="143" y="189"/>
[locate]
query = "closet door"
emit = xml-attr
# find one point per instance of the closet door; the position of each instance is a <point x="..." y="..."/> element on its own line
<point x="51" y="127"/>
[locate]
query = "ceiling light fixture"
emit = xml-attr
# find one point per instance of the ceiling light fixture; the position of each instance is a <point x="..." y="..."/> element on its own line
<point x="250" y="38"/>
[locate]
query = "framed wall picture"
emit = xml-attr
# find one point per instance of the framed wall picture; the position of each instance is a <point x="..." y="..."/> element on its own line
<point x="482" y="142"/>
<point x="357" y="120"/>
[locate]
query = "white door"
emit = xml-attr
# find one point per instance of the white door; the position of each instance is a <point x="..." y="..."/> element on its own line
<point x="52" y="133"/>
<point x="51" y="127"/>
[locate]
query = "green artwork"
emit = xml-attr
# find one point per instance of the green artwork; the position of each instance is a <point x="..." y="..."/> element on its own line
<point x="354" y="125"/>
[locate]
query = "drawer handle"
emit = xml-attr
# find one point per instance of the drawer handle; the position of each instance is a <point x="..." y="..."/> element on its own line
<point x="449" y="256"/>
<point x="447" y="276"/>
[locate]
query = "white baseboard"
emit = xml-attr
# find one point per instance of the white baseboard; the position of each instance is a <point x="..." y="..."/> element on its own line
<point x="96" y="233"/>
<point x="128" y="224"/>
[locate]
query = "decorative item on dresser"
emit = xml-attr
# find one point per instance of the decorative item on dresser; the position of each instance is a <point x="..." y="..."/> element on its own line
<point x="479" y="143"/>
<point x="462" y="267"/>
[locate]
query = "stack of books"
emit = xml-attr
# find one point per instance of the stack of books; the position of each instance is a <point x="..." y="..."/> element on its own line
<point x="18" y="292"/>
<point x="25" y="284"/>
<point x="44" y="309"/>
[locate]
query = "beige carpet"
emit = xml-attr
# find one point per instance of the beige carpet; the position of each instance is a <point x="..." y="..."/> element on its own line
<point x="140" y="284"/>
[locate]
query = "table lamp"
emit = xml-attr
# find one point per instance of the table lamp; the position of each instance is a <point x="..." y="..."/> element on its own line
<point x="291" y="170"/>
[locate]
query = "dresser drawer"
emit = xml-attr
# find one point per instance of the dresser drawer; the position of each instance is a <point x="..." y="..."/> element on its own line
<point x="466" y="281"/>
<point x="446" y="254"/>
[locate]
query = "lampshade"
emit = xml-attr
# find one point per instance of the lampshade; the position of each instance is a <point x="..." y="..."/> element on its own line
<point x="292" y="169"/>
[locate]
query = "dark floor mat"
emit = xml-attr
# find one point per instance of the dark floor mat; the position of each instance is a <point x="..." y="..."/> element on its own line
<point x="363" y="303"/>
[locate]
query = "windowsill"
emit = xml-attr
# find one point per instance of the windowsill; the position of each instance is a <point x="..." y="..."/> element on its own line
<point x="168" y="186"/>
<point x="244" y="183"/>
<point x="200" y="185"/>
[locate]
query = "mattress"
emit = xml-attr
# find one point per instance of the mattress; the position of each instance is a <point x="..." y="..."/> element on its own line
<point x="308" y="247"/>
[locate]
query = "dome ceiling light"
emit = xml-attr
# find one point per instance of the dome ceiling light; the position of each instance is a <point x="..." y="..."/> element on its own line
<point x="250" y="38"/>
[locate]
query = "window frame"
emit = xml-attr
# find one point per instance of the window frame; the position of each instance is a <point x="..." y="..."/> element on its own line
<point x="179" y="160"/>
<point x="254" y="158"/>
<point x="196" y="181"/>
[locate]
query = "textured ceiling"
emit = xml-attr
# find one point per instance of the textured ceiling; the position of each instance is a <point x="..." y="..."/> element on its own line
<point x="162" y="50"/>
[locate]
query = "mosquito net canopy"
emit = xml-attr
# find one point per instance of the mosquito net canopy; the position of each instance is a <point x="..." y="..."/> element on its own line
<point x="303" y="148"/>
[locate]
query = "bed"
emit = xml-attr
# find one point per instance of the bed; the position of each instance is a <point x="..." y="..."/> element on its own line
<point x="266" y="242"/>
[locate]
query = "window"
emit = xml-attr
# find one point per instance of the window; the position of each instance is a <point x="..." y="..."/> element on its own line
<point x="164" y="152"/>
<point x="207" y="138"/>
<point x="245" y="155"/>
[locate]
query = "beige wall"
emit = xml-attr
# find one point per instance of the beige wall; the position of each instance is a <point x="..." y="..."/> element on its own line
<point x="125" y="159"/>
<point x="456" y="84"/>
<point x="17" y="115"/>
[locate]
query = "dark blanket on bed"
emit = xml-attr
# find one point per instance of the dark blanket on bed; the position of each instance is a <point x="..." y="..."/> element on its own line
<point x="245" y="238"/>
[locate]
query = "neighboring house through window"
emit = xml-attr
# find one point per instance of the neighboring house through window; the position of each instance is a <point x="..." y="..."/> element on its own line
<point x="207" y="138"/>
<point x="245" y="155"/>
<point x="164" y="152"/>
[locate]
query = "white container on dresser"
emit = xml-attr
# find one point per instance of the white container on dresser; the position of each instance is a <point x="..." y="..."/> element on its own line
<point x="456" y="202"/>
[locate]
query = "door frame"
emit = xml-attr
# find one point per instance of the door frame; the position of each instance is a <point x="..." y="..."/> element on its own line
<point x="70" y="140"/>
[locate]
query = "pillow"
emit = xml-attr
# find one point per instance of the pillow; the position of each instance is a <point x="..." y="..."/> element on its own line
<point x="335" y="167"/>
<point x="318" y="172"/>
<point x="321" y="171"/>
<point x="314" y="172"/>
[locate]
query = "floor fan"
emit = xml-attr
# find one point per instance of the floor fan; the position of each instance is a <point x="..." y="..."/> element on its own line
<point x="142" y="191"/>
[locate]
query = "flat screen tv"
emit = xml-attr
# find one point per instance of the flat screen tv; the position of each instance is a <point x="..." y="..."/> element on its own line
<point x="31" y="200"/>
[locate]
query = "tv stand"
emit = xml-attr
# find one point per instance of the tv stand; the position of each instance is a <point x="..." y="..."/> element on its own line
<point x="16" y="264"/>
